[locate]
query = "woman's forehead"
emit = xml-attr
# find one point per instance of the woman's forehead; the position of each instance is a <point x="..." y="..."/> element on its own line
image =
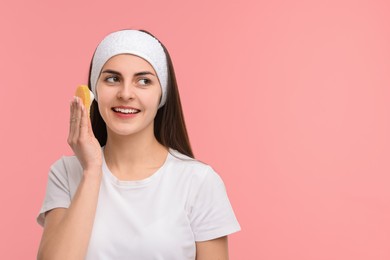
<point x="128" y="62"/>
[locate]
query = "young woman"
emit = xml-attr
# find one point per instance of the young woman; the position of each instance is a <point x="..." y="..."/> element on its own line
<point x="133" y="189"/>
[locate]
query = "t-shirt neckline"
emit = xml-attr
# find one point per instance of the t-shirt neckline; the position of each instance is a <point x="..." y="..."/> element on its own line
<point x="137" y="183"/>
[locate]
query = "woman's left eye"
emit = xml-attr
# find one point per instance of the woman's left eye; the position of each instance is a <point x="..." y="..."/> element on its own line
<point x="144" y="82"/>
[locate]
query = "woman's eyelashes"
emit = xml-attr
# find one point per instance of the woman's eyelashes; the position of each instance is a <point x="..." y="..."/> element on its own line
<point x="111" y="79"/>
<point x="144" y="82"/>
<point x="115" y="79"/>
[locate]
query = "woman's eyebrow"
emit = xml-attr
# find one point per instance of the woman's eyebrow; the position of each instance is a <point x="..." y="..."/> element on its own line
<point x="144" y="73"/>
<point x="111" y="72"/>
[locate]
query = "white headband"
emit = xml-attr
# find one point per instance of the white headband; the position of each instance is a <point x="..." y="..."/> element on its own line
<point x="131" y="42"/>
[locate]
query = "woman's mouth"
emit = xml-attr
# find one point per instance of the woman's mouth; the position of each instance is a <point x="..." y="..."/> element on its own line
<point x="125" y="111"/>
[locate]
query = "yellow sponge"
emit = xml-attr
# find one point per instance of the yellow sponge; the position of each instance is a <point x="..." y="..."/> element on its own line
<point x="86" y="96"/>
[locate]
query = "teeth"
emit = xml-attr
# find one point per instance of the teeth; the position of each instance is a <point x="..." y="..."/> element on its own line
<point x="126" y="110"/>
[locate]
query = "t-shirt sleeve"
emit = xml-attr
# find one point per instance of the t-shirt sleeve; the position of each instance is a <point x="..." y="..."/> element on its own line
<point x="57" y="190"/>
<point x="212" y="215"/>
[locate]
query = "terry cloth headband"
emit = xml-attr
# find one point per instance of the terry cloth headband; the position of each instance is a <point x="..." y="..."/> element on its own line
<point x="131" y="42"/>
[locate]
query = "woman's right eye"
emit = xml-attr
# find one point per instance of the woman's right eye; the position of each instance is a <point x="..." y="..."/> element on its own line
<point x="111" y="79"/>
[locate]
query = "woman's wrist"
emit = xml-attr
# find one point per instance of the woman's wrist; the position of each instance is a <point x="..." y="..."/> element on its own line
<point x="93" y="172"/>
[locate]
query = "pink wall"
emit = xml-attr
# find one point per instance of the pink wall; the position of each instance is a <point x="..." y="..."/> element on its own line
<point x="289" y="101"/>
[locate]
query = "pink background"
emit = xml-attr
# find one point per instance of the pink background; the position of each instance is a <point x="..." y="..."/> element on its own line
<point x="287" y="100"/>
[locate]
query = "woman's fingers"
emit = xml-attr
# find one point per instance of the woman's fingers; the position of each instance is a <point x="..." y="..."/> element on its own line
<point x="81" y="138"/>
<point x="83" y="121"/>
<point x="80" y="124"/>
<point x="90" y="124"/>
<point x="75" y="119"/>
<point x="71" y="121"/>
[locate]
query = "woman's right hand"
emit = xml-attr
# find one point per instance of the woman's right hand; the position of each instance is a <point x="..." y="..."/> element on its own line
<point x="81" y="138"/>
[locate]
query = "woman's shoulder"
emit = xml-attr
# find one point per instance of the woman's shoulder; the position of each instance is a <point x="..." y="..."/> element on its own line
<point x="66" y="161"/>
<point x="191" y="166"/>
<point x="186" y="161"/>
<point x="66" y="164"/>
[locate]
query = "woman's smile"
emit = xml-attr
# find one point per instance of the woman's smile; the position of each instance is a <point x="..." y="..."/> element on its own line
<point x="125" y="111"/>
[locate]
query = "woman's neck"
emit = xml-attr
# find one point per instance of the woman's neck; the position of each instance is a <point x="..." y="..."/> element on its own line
<point x="134" y="156"/>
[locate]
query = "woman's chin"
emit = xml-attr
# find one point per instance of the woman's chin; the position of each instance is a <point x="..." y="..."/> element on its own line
<point x="128" y="130"/>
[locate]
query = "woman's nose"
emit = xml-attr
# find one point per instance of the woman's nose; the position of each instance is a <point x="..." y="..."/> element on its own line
<point x="126" y="91"/>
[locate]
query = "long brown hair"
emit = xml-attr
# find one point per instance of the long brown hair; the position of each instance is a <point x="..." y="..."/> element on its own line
<point x="169" y="125"/>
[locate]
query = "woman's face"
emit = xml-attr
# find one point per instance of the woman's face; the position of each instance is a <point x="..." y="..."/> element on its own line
<point x="129" y="93"/>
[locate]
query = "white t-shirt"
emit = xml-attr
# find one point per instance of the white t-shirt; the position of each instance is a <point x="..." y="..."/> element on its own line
<point x="160" y="217"/>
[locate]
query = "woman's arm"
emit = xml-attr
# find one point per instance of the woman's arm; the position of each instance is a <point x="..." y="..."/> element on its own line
<point x="216" y="249"/>
<point x="67" y="231"/>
